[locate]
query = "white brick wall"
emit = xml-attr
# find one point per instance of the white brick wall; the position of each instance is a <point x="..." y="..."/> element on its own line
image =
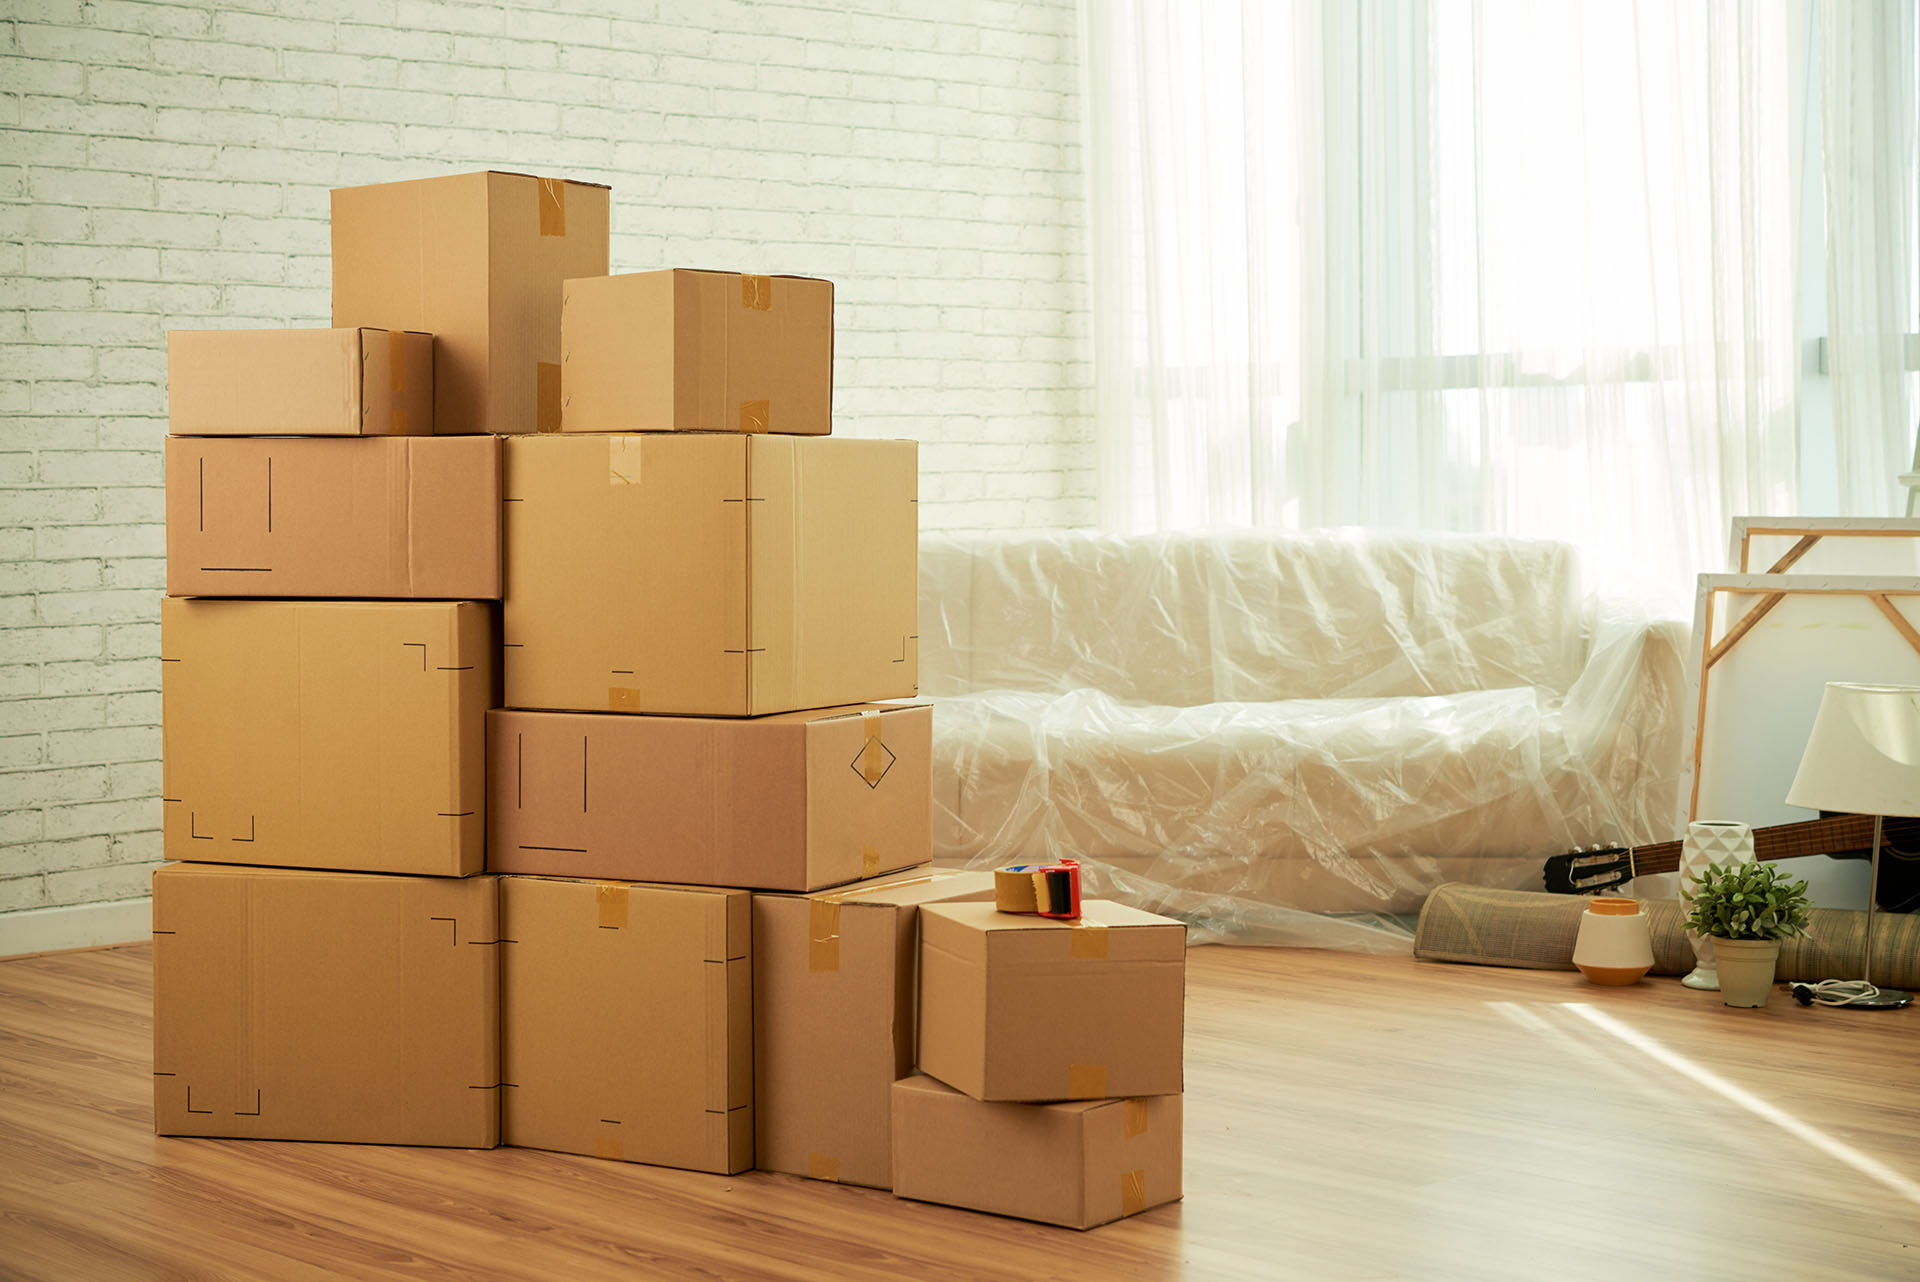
<point x="167" y="166"/>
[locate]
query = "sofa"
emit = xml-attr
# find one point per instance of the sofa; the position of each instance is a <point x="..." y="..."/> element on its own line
<point x="1290" y="738"/>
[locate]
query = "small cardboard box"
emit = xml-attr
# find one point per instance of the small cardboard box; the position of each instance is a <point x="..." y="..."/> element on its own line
<point x="704" y="574"/>
<point x="794" y="801"/>
<point x="1077" y="1164"/>
<point x="1030" y="1008"/>
<point x="833" y="1019"/>
<point x="476" y="260"/>
<point x="376" y="516"/>
<point x="293" y="1005"/>
<point x="697" y="351"/>
<point x="627" y="1022"/>
<point x="326" y="734"/>
<point x="299" y="382"/>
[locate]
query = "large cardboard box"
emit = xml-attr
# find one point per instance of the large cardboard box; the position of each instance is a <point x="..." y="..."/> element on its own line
<point x="326" y="734"/>
<point x="1076" y="1164"/>
<point x="627" y="1022"/>
<point x="697" y="351"/>
<point x="476" y="260"/>
<point x="381" y="516"/>
<point x="710" y="575"/>
<point x="299" y="382"/>
<point x="294" y="1005"/>
<point x="833" y="1019"/>
<point x="795" y="801"/>
<point x="1030" y="1008"/>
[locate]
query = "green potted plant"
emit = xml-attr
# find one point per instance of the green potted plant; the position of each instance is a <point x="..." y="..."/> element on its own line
<point x="1747" y="909"/>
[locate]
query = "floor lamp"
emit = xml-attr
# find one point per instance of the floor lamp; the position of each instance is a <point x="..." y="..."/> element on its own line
<point x="1863" y="758"/>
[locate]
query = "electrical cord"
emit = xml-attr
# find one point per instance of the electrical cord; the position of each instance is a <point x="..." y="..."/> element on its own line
<point x="1835" y="992"/>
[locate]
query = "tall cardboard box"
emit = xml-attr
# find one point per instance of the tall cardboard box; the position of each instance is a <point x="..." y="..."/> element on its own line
<point x="704" y="574"/>
<point x="477" y="260"/>
<point x="697" y="351"/>
<point x="326" y="734"/>
<point x="374" y="516"/>
<point x="627" y="1022"/>
<point x="1076" y="1164"/>
<point x="299" y="382"/>
<point x="834" y="978"/>
<point x="794" y="801"/>
<point x="1036" y="1009"/>
<point x="294" y="1005"/>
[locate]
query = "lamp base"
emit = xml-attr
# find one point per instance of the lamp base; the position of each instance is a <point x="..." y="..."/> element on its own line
<point x="1706" y="978"/>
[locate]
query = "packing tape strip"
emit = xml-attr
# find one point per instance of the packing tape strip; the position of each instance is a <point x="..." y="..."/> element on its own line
<point x="1089" y="940"/>
<point x="823" y="935"/>
<point x="1086" y="1081"/>
<point x="611" y="1149"/>
<point x="553" y="206"/>
<point x="873" y="758"/>
<point x="623" y="699"/>
<point x="1133" y="1192"/>
<point x="854" y="892"/>
<point x="755" y="416"/>
<point x="870" y="861"/>
<point x="546" y="396"/>
<point x="822" y="1167"/>
<point x="396" y="382"/>
<point x="625" y="459"/>
<point x="1135" y="1122"/>
<point x="612" y="899"/>
<point x="756" y="292"/>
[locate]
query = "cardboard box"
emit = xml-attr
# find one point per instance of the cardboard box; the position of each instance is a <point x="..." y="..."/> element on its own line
<point x="326" y="734"/>
<point x="1030" y="1008"/>
<point x="1077" y="1164"/>
<point x="299" y="382"/>
<point x="476" y="260"/>
<point x="627" y="1022"/>
<point x="325" y="1006"/>
<point x="697" y="351"/>
<point x="834" y="984"/>
<point x="379" y="516"/>
<point x="794" y="801"/>
<point x="710" y="575"/>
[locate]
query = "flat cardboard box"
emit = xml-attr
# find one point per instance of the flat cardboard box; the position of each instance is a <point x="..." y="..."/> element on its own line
<point x="299" y="382"/>
<point x="795" y="801"/>
<point x="1077" y="1164"/>
<point x="326" y="734"/>
<point x="627" y="1022"/>
<point x="375" y="516"/>
<point x="697" y="351"/>
<point x="702" y="574"/>
<point x="1025" y="1008"/>
<point x="476" y="260"/>
<point x="326" y="1006"/>
<point x="834" y="985"/>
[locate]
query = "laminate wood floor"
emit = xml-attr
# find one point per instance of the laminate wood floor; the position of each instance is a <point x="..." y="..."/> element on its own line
<point x="1346" y="1117"/>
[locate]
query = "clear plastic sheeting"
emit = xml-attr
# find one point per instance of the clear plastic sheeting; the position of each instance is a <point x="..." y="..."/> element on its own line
<point x="1290" y="738"/>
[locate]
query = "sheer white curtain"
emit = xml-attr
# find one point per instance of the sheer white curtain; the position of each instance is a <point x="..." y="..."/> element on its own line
<point x="1449" y="263"/>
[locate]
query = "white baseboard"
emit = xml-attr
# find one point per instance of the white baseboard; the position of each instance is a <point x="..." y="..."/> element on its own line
<point x="46" y="930"/>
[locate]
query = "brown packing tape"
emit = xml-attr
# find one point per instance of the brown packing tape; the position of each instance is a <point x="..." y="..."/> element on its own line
<point x="546" y="396"/>
<point x="1013" y="892"/>
<point x="852" y="893"/>
<point x="870" y="861"/>
<point x="1135" y="1122"/>
<point x="1133" y="1192"/>
<point x="754" y="416"/>
<point x="1086" y="1081"/>
<point x="823" y="935"/>
<point x="873" y="758"/>
<point x="396" y="362"/>
<point x="1089" y="940"/>
<point x="553" y="206"/>
<point x="612" y="898"/>
<point x="624" y="459"/>
<point x="623" y="699"/>
<point x="822" y="1167"/>
<point x="756" y="292"/>
<point x="611" y="1149"/>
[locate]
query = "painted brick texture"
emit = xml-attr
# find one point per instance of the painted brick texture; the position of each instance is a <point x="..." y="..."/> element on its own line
<point x="167" y="166"/>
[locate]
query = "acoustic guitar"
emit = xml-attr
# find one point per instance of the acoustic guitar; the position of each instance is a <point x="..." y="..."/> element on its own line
<point x="1841" y="836"/>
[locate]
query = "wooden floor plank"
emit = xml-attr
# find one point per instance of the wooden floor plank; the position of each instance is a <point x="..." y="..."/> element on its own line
<point x="1346" y="1116"/>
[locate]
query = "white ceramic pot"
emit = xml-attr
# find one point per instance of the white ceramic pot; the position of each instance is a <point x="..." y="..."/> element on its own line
<point x="1708" y="841"/>
<point x="1746" y="969"/>
<point x="1614" y="946"/>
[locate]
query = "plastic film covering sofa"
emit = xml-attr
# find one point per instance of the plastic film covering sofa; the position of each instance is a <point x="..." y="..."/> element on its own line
<point x="1290" y="738"/>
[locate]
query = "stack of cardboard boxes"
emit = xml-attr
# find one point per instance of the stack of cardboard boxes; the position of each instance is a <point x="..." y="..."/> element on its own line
<point x="662" y="903"/>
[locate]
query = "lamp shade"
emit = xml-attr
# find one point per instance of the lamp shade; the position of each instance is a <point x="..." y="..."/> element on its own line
<point x="1863" y="757"/>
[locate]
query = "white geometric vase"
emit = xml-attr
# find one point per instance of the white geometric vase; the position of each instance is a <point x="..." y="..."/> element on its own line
<point x="1709" y="841"/>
